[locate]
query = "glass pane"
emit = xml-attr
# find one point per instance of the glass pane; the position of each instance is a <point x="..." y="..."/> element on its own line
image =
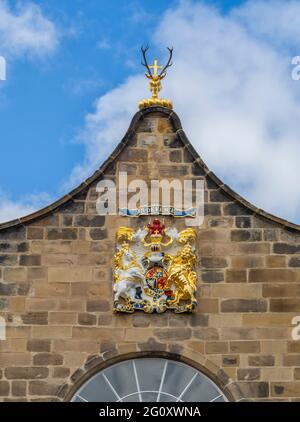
<point x="201" y="390"/>
<point x="149" y="396"/>
<point x="219" y="399"/>
<point x="177" y="378"/>
<point x="167" y="397"/>
<point x="97" y="390"/>
<point x="132" y="398"/>
<point x="77" y="400"/>
<point x="122" y="378"/>
<point x="149" y="372"/>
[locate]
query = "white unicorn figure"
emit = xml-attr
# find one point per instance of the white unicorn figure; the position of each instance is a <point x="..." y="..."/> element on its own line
<point x="128" y="274"/>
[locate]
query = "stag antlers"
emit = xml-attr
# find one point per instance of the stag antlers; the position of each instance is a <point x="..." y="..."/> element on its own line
<point x="144" y="51"/>
<point x="169" y="63"/>
<point x="162" y="74"/>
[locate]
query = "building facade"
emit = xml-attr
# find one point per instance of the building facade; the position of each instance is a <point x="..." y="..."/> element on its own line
<point x="56" y="290"/>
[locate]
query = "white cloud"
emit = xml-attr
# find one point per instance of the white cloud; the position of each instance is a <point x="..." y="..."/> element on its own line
<point x="232" y="88"/>
<point x="11" y="209"/>
<point x="26" y="31"/>
<point x="103" y="44"/>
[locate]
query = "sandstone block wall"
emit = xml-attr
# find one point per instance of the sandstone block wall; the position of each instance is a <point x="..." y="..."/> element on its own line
<point x="56" y="285"/>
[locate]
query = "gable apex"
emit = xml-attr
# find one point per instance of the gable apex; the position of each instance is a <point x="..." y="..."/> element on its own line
<point x="130" y="134"/>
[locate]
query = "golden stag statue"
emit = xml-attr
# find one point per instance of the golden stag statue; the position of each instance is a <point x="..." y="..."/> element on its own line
<point x="155" y="80"/>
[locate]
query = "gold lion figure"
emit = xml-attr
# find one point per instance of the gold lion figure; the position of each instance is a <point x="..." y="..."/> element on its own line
<point x="183" y="278"/>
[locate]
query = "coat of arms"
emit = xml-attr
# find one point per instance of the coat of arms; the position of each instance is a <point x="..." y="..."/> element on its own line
<point x="155" y="269"/>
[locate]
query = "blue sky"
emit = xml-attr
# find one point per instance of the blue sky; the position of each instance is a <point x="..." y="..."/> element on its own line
<point x="83" y="51"/>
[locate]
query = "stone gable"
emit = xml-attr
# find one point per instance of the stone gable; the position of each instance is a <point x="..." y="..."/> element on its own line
<point x="56" y="285"/>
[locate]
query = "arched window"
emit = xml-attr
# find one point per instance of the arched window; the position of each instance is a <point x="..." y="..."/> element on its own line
<point x="149" y="379"/>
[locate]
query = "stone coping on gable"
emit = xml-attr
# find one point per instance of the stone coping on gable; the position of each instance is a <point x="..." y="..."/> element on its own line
<point x="175" y="121"/>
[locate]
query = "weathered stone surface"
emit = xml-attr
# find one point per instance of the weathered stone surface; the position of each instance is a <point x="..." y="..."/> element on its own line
<point x="247" y="261"/>
<point x="89" y="221"/>
<point x="262" y="360"/>
<point x="219" y="196"/>
<point x="198" y="320"/>
<point x="286" y="248"/>
<point x="294" y="262"/>
<point x="213" y="262"/>
<point x="235" y="276"/>
<point x="255" y="389"/>
<point x="47" y="359"/>
<point x="35" y="233"/>
<point x="13" y="233"/>
<point x="243" y="222"/>
<point x="245" y="346"/>
<point x="235" y="209"/>
<point x="42" y="388"/>
<point x="4" y="388"/>
<point x="206" y="333"/>
<point x="285" y="389"/>
<point x="254" y="248"/>
<point x="175" y="156"/>
<point x="72" y="207"/>
<point x="152" y="345"/>
<point x="276" y="261"/>
<point x="87" y="319"/>
<point x="35" y="345"/>
<point x="3" y="303"/>
<point x="270" y="235"/>
<point x="236" y="333"/>
<point x="230" y="360"/>
<point x="285" y="305"/>
<point x="18" y="388"/>
<point x="140" y="320"/>
<point x="212" y="209"/>
<point x="172" y="334"/>
<point x="8" y="259"/>
<point x="291" y="360"/>
<point x="197" y="170"/>
<point x="30" y="260"/>
<point x="134" y="155"/>
<point x="172" y="142"/>
<point x="64" y="318"/>
<point x="297" y="373"/>
<point x="248" y="374"/>
<point x="98" y="234"/>
<point x="281" y="290"/>
<point x="22" y="372"/>
<point x="65" y="233"/>
<point x="10" y="246"/>
<point x="212" y="276"/>
<point x="244" y="305"/>
<point x="35" y="318"/>
<point x="97" y="305"/>
<point x="14" y="289"/>
<point x="216" y="347"/>
<point x="60" y="372"/>
<point x="273" y="275"/>
<point x="240" y="235"/>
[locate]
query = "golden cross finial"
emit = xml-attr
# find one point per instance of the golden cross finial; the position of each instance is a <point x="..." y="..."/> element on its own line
<point x="155" y="67"/>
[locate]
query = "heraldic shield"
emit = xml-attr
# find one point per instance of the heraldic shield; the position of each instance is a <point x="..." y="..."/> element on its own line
<point x="155" y="269"/>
